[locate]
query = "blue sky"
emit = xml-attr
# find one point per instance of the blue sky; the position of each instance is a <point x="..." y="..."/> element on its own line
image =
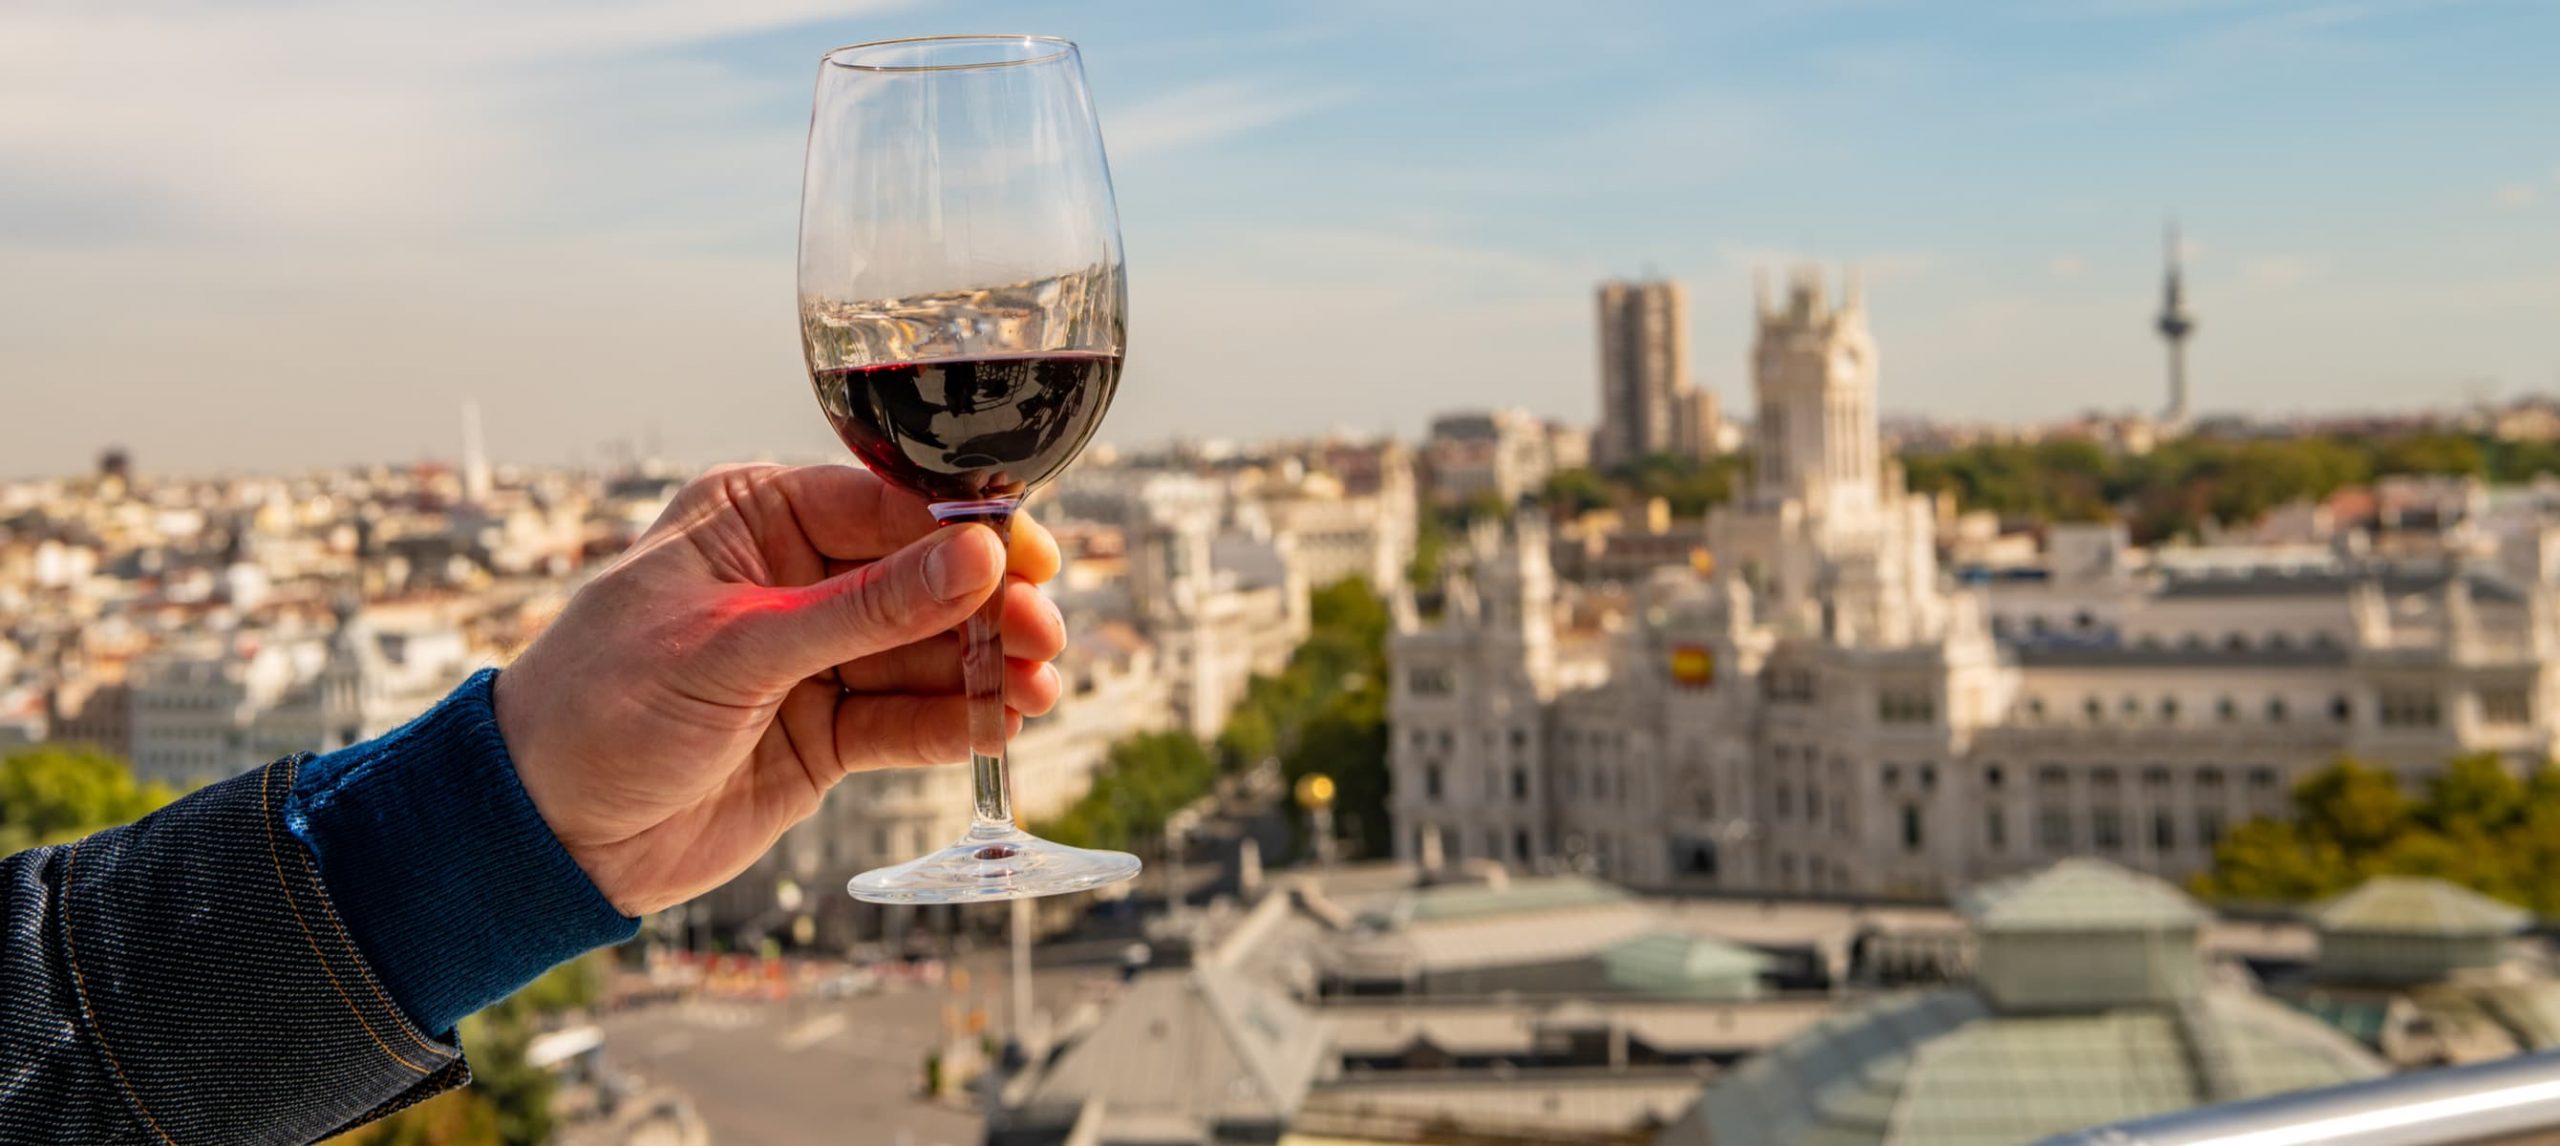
<point x="257" y="234"/>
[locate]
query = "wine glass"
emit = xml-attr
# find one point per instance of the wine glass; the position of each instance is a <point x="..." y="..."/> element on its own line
<point x="961" y="306"/>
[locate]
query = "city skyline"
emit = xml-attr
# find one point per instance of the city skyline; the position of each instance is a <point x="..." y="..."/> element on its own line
<point x="585" y="219"/>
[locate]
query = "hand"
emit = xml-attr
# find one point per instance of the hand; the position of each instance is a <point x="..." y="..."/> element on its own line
<point x="776" y="629"/>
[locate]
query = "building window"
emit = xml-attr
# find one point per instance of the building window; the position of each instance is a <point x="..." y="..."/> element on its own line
<point x="1447" y="741"/>
<point x="2053" y="829"/>
<point x="2106" y="828"/>
<point x="1519" y="740"/>
<point x="1431" y="782"/>
<point x="1995" y="830"/>
<point x="1520" y="844"/>
<point x="2155" y="777"/>
<point x="2409" y="709"/>
<point x="2035" y="708"/>
<point x="1812" y="804"/>
<point x="1892" y="775"/>
<point x="2235" y="641"/>
<point x="2209" y="779"/>
<point x="2052" y="776"/>
<point x="1911" y="827"/>
<point x="1493" y="843"/>
<point x="1906" y="707"/>
<point x="1421" y="738"/>
<point x="2208" y="828"/>
<point x="2103" y="779"/>
<point x="1786" y="799"/>
<point x="2132" y="707"/>
<point x="2275" y="710"/>
<point x="1928" y="777"/>
<point x="2262" y="779"/>
<point x="1990" y="775"/>
<point x="1520" y="785"/>
<point x="2164" y="832"/>
<point x="2168" y="710"/>
<point x="1428" y="682"/>
<point x="2506" y="706"/>
<point x="2226" y="709"/>
<point x="2094" y="710"/>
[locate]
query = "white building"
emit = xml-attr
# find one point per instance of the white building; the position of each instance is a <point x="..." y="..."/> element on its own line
<point x="1497" y="454"/>
<point x="1827" y="712"/>
<point x="205" y="713"/>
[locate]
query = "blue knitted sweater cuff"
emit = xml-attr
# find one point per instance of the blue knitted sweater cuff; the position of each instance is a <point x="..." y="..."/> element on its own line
<point x="447" y="877"/>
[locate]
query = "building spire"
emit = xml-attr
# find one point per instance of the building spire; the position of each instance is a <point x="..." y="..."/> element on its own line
<point x="2175" y="324"/>
<point x="475" y="456"/>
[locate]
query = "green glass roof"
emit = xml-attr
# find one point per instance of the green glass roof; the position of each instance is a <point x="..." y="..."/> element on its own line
<point x="1939" y="1069"/>
<point x="1476" y="901"/>
<point x="2079" y="895"/>
<point x="1681" y="965"/>
<point x="2409" y="905"/>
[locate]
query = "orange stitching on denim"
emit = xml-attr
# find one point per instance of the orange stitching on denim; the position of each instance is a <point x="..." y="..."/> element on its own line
<point x="81" y="984"/>
<point x="267" y="814"/>
<point x="339" y="927"/>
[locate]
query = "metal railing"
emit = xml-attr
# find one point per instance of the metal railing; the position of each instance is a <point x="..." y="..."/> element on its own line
<point x="2510" y="1100"/>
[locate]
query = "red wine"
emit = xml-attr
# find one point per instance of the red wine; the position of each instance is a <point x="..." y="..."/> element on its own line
<point x="970" y="429"/>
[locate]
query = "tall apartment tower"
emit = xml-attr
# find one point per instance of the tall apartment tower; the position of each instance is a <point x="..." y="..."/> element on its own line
<point x="1647" y="405"/>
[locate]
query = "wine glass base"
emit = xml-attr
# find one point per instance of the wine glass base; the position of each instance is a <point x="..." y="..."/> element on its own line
<point x="1006" y="863"/>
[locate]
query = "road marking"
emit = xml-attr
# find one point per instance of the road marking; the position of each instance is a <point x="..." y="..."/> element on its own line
<point x="811" y="1033"/>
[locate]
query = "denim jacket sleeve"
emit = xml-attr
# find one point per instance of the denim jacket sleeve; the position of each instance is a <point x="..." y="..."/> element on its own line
<point x="184" y="979"/>
<point x="282" y="955"/>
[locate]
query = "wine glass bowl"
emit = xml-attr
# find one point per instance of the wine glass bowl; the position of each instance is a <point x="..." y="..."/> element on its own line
<point x="962" y="313"/>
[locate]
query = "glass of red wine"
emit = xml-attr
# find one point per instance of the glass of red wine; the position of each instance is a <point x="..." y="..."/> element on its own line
<point x="961" y="306"/>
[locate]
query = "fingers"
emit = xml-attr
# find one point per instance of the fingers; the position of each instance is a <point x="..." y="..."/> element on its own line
<point x="901" y="731"/>
<point x="848" y="513"/>
<point x="1033" y="553"/>
<point x="924" y="589"/>
<point x="1031" y="631"/>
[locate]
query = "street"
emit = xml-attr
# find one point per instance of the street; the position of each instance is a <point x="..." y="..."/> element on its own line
<point x="792" y="1072"/>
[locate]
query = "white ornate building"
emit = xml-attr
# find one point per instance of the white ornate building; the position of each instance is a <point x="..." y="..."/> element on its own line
<point x="1828" y="711"/>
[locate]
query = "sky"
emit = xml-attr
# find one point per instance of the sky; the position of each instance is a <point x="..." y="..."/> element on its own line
<point x="244" y="234"/>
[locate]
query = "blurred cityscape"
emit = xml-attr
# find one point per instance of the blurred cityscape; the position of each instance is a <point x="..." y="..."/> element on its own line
<point x="1684" y="779"/>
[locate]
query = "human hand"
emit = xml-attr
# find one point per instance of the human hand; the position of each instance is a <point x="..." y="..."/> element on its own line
<point x="775" y="629"/>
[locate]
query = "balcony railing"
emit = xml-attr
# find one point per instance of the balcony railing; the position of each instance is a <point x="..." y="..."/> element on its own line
<point x="2509" y="1101"/>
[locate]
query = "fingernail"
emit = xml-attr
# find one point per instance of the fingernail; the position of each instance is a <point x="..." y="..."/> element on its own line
<point x="958" y="566"/>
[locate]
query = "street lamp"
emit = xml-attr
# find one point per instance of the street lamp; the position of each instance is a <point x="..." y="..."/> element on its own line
<point x="1315" y="795"/>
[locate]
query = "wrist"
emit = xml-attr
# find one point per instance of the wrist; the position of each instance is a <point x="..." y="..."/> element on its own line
<point x="451" y="881"/>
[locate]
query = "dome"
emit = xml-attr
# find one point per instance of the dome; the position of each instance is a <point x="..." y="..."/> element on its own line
<point x="2092" y="1006"/>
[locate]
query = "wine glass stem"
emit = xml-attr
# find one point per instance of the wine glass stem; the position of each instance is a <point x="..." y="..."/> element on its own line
<point x="982" y="676"/>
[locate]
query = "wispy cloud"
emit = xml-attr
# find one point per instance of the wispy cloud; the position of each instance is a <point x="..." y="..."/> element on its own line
<point x="2065" y="266"/>
<point x="2277" y="272"/>
<point x="2515" y="195"/>
<point x="1220" y="109"/>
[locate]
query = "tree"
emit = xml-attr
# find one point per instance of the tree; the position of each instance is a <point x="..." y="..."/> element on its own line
<point x="1571" y="493"/>
<point x="2474" y="791"/>
<point x="52" y="794"/>
<point x="2474" y="823"/>
<point x="2353" y="805"/>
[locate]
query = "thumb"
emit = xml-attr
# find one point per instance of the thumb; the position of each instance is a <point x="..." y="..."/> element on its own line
<point x="927" y="588"/>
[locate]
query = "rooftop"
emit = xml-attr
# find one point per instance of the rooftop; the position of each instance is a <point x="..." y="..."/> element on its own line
<point x="2079" y="894"/>
<point x="2407" y="905"/>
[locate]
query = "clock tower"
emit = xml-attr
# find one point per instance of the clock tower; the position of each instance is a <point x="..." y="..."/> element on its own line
<point x="1814" y="376"/>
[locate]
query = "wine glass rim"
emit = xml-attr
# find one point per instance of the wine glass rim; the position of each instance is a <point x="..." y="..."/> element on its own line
<point x="1058" y="47"/>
